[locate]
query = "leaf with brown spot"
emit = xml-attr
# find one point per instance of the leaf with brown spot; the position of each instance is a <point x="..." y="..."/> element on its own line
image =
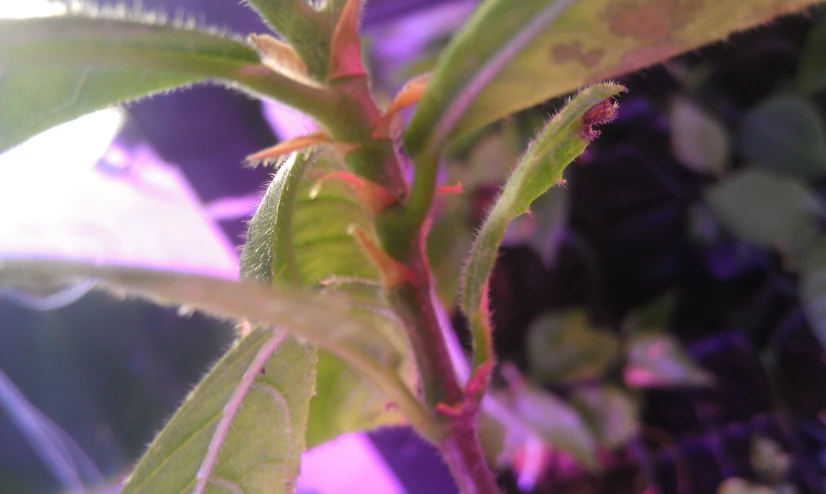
<point x="513" y="55"/>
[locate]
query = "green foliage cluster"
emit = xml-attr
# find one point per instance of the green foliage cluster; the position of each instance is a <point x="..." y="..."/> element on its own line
<point x="336" y="317"/>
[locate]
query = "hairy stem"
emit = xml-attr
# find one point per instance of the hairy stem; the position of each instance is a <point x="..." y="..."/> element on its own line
<point x="463" y="455"/>
<point x="377" y="161"/>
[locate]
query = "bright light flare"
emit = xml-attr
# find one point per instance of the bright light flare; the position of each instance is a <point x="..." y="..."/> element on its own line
<point x="21" y="9"/>
<point x="72" y="145"/>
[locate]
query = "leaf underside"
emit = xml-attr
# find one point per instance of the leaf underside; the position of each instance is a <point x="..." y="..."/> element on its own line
<point x="262" y="450"/>
<point x="57" y="69"/>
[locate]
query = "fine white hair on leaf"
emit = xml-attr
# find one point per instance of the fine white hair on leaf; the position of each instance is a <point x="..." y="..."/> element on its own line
<point x="134" y="12"/>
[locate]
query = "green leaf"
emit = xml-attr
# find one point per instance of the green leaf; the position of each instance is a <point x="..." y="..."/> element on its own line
<point x="699" y="141"/>
<point x="58" y="68"/>
<point x="345" y="402"/>
<point x="811" y="73"/>
<point x="563" y="139"/>
<point x="785" y="134"/>
<point x="303" y="241"/>
<point x="553" y="420"/>
<point x="253" y="405"/>
<point x="325" y="320"/>
<point x="610" y="412"/>
<point x="813" y="288"/>
<point x="564" y="348"/>
<point x="309" y="237"/>
<point x="514" y="55"/>
<point x="656" y="359"/>
<point x="766" y="209"/>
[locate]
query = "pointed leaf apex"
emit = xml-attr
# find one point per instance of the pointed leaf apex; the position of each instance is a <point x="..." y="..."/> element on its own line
<point x="393" y="273"/>
<point x="345" y="52"/>
<point x="409" y="95"/>
<point x="373" y="197"/>
<point x="297" y="144"/>
<point x="279" y="56"/>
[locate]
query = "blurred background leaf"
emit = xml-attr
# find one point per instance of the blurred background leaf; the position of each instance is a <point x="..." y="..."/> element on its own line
<point x="785" y="135"/>
<point x="564" y="348"/>
<point x="698" y="140"/>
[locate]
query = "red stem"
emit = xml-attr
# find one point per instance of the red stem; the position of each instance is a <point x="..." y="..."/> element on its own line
<point x="376" y="160"/>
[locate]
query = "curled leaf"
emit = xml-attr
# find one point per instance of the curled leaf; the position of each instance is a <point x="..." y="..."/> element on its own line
<point x="563" y="139"/>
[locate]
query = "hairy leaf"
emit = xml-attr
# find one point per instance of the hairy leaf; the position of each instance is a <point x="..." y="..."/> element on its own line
<point x="563" y="139"/>
<point x="263" y="387"/>
<point x="58" y="68"/>
<point x="766" y="209"/>
<point x="563" y="348"/>
<point x="325" y="320"/>
<point x="514" y="55"/>
<point x="785" y="134"/>
<point x="304" y="241"/>
<point x="309" y="237"/>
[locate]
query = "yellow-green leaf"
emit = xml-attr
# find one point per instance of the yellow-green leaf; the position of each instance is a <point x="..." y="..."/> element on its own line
<point x="564" y="138"/>
<point x="260" y="449"/>
<point x="302" y="241"/>
<point x="514" y="55"/>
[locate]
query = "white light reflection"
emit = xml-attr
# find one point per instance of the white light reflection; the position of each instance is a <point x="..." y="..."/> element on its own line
<point x="21" y="9"/>
<point x="69" y="146"/>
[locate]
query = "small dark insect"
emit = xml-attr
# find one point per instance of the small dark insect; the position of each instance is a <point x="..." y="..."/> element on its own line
<point x="601" y="113"/>
<point x="263" y="371"/>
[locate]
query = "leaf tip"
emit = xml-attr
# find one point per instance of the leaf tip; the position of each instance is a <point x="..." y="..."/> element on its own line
<point x="345" y="52"/>
<point x="602" y="113"/>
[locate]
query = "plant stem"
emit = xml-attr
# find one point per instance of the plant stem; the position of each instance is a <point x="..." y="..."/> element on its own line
<point x="463" y="455"/>
<point x="376" y="160"/>
<point x="460" y="448"/>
